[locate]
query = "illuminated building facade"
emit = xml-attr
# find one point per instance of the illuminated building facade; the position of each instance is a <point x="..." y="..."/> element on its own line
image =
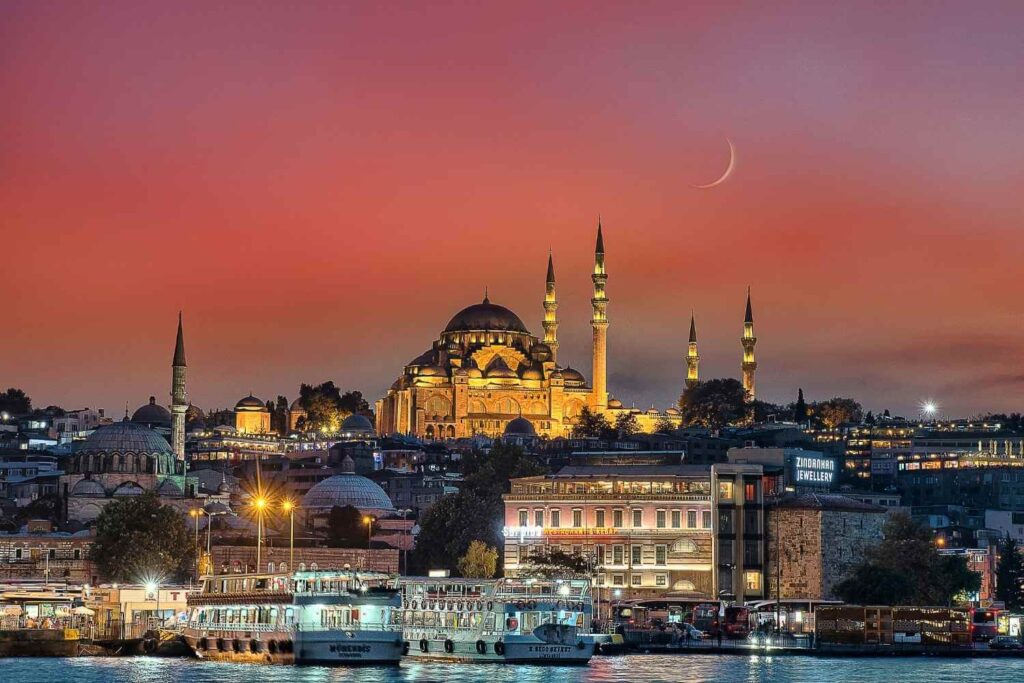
<point x="647" y="530"/>
<point x="252" y="416"/>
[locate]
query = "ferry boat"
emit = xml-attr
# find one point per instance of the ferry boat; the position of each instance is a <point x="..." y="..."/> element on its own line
<point x="322" y="617"/>
<point x="513" y="621"/>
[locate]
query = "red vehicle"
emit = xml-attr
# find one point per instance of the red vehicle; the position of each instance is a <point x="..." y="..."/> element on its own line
<point x="983" y="623"/>
<point x="704" y="617"/>
<point x="736" y="623"/>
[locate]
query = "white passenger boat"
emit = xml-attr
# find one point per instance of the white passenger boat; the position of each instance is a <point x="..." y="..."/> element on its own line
<point x="498" y="620"/>
<point x="321" y="617"/>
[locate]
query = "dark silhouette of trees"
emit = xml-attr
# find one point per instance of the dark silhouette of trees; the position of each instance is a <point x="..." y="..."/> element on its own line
<point x="714" y="403"/>
<point x="138" y="538"/>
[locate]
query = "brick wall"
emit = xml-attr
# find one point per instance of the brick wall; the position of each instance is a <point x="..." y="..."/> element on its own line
<point x="28" y="556"/>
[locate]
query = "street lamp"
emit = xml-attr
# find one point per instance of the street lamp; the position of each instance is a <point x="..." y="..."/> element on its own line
<point x="408" y="540"/>
<point x="154" y="587"/>
<point x="196" y="513"/>
<point x="368" y="521"/>
<point x="289" y="507"/>
<point x="260" y="503"/>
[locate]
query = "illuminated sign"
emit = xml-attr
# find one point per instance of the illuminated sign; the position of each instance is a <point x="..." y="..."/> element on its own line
<point x="812" y="470"/>
<point x="524" y="532"/>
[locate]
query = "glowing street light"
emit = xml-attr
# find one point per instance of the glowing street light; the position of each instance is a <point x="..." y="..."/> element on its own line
<point x="196" y="513"/>
<point x="929" y="409"/>
<point x="260" y="503"/>
<point x="289" y="507"/>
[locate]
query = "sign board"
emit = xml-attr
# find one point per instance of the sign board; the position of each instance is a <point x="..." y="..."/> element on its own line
<point x="813" y="471"/>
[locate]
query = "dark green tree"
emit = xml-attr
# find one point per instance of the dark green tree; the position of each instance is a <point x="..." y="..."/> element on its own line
<point x="714" y="403"/>
<point x="591" y="424"/>
<point x="554" y="563"/>
<point x="837" y="411"/>
<point x="353" y="402"/>
<point x="346" y="528"/>
<point x="626" y="424"/>
<point x="870" y="584"/>
<point x="800" y="413"/>
<point x="664" y="426"/>
<point x="1010" y="574"/>
<point x="15" y="402"/>
<point x="138" y="538"/>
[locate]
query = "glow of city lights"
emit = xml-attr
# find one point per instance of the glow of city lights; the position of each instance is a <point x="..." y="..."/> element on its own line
<point x="929" y="408"/>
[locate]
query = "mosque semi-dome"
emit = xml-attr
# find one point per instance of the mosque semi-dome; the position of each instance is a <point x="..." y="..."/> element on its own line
<point x="486" y="316"/>
<point x="520" y="426"/>
<point x="348" y="488"/>
<point x="357" y="423"/>
<point x="152" y="414"/>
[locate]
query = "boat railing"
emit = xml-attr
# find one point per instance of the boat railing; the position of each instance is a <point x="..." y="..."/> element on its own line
<point x="376" y="627"/>
<point x="226" y="626"/>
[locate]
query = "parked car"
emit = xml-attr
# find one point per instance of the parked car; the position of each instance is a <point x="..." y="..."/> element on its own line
<point x="691" y="632"/>
<point x="1004" y="643"/>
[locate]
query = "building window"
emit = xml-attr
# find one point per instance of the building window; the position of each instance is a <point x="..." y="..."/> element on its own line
<point x="725" y="491"/>
<point x="538" y="518"/>
<point x="636" y="580"/>
<point x="750" y="493"/>
<point x="660" y="519"/>
<point x="660" y="555"/>
<point x="635" y="554"/>
<point x="617" y="580"/>
<point x="577" y="518"/>
<point x="617" y="555"/>
<point x="677" y="519"/>
<point x="556" y="516"/>
<point x="599" y="519"/>
<point x="660" y="580"/>
<point x="705" y="516"/>
<point x="617" y="519"/>
<point x="17" y="553"/>
<point x="752" y="581"/>
<point x="52" y="553"/>
<point x="524" y="518"/>
<point x="638" y="519"/>
<point x="691" y="519"/>
<point x="599" y="555"/>
<point x="78" y="553"/>
<point x="600" y="579"/>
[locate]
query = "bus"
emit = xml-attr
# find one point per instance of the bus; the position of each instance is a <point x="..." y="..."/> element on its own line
<point x="736" y="623"/>
<point x="983" y="623"/>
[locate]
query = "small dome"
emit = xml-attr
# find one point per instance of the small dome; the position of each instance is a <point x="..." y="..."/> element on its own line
<point x="357" y="423"/>
<point x="614" y="403"/>
<point x="475" y="372"/>
<point x="124" y="437"/>
<point x="672" y="411"/>
<point x="88" y="488"/>
<point x="541" y="352"/>
<point x="152" y="415"/>
<point x="572" y="376"/>
<point x="486" y="316"/>
<point x="432" y="371"/>
<point x="348" y="489"/>
<point x="129" y="488"/>
<point x="653" y="411"/>
<point x="533" y="372"/>
<point x="498" y="369"/>
<point x="250" y="403"/>
<point x="520" y="427"/>
<point x="428" y="357"/>
<point x="296" y="406"/>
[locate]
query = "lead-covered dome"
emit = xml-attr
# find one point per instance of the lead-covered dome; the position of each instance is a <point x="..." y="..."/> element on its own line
<point x="348" y="488"/>
<point x="357" y="424"/>
<point x="125" y="437"/>
<point x="152" y="415"/>
<point x="250" y="403"/>
<point x="520" y="426"/>
<point x="486" y="316"/>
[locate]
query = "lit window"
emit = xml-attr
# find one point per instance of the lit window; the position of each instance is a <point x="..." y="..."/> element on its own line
<point x="660" y="580"/>
<point x="523" y="518"/>
<point x="752" y="580"/>
<point x="750" y="493"/>
<point x="725" y="491"/>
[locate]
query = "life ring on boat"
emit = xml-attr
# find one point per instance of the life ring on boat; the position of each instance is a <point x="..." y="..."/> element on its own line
<point x="481" y="647"/>
<point x="532" y="604"/>
<point x="520" y="604"/>
<point x="560" y="604"/>
<point x="272" y="647"/>
<point x="479" y="605"/>
<point x="449" y="646"/>
<point x="414" y="604"/>
<point x="405" y="648"/>
<point x="512" y="624"/>
<point x="499" y="648"/>
<point x="490" y="605"/>
<point x="256" y="646"/>
<point x="450" y="606"/>
<point x="424" y="645"/>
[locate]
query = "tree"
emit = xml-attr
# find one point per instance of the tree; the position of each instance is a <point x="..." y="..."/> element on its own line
<point x="837" y="411"/>
<point x="138" y="538"/>
<point x="763" y="410"/>
<point x="346" y="528"/>
<point x="714" y="403"/>
<point x="15" y="402"/>
<point x="664" y="426"/>
<point x="326" y="406"/>
<point x="626" y="424"/>
<point x="591" y="424"/>
<point x="1010" y="574"/>
<point x="554" y="563"/>
<point x="353" y="402"/>
<point x="908" y="551"/>
<point x="869" y="419"/>
<point x="800" y="413"/>
<point x="479" y="562"/>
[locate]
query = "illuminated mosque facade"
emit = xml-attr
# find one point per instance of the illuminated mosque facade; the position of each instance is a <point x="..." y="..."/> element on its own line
<point x="486" y="370"/>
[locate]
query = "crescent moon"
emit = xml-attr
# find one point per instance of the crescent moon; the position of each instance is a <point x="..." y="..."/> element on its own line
<point x="728" y="169"/>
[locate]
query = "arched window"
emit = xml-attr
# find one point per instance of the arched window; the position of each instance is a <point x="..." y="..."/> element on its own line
<point x="508" y="406"/>
<point x="477" y="406"/>
<point x="438" y="407"/>
<point x="683" y="585"/>
<point x="684" y="545"/>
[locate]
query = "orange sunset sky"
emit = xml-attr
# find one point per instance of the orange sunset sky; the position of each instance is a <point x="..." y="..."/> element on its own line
<point x="321" y="186"/>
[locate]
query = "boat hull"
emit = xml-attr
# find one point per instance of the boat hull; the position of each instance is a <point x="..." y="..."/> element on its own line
<point x="348" y="647"/>
<point x="514" y="650"/>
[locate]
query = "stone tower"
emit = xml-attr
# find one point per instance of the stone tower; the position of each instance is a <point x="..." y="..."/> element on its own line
<point x="748" y="340"/>
<point x="179" y="399"/>
<point x="692" y="359"/>
<point x="550" y="306"/>
<point x="599" y="397"/>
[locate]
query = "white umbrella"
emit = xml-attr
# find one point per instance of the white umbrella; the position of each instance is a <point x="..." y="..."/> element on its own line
<point x="84" y="610"/>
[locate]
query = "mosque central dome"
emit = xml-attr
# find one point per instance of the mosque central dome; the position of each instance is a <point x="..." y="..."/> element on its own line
<point x="486" y="316"/>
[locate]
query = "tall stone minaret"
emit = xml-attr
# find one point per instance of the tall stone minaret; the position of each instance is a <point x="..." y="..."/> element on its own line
<point x="550" y="306"/>
<point x="748" y="340"/>
<point x="692" y="359"/>
<point x="179" y="399"/>
<point x="599" y="397"/>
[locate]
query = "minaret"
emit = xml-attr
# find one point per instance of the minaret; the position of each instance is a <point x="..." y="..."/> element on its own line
<point x="550" y="306"/>
<point x="748" y="340"/>
<point x="692" y="359"/>
<point x="179" y="399"/>
<point x="599" y="397"/>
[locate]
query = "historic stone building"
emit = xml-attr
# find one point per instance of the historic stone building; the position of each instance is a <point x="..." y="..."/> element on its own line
<point x="486" y="369"/>
<point x="815" y="539"/>
<point x="251" y="416"/>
